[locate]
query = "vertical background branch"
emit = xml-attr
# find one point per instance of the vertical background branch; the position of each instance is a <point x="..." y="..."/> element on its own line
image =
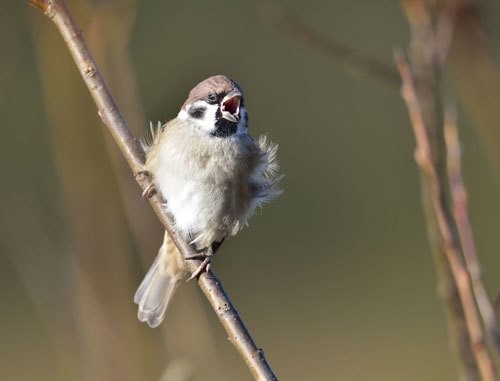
<point x="427" y="115"/>
<point x="432" y="32"/>
<point x="470" y="332"/>
<point x="464" y="227"/>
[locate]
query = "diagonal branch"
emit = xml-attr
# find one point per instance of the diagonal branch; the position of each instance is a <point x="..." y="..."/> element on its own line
<point x="238" y="334"/>
<point x="293" y="27"/>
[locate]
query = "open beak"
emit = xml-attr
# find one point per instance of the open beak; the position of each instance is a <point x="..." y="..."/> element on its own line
<point x="230" y="106"/>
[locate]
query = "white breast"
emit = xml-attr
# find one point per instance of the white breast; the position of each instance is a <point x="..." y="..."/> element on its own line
<point x="198" y="175"/>
<point x="212" y="185"/>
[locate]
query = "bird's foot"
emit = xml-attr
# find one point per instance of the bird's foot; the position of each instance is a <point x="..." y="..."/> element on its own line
<point x="204" y="267"/>
<point x="150" y="190"/>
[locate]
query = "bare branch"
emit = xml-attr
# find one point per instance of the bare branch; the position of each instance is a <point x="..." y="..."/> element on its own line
<point x="448" y="246"/>
<point x="238" y="334"/>
<point x="461" y="214"/>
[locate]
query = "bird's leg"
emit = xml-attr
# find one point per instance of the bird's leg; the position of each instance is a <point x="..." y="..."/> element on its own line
<point x="150" y="191"/>
<point x="206" y="257"/>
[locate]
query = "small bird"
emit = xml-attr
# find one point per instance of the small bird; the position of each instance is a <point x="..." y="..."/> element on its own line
<point x="213" y="175"/>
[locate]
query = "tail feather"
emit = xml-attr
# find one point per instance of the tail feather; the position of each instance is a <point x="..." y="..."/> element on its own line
<point x="155" y="292"/>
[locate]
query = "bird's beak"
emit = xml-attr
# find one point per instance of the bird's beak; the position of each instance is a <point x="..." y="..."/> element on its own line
<point x="230" y="106"/>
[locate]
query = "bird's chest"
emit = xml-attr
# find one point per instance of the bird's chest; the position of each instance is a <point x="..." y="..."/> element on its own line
<point x="206" y="186"/>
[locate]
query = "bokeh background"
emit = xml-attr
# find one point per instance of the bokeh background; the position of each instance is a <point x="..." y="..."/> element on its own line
<point x="335" y="279"/>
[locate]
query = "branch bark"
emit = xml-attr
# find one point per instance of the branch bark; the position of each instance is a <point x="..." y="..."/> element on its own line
<point x="464" y="227"/>
<point x="58" y="12"/>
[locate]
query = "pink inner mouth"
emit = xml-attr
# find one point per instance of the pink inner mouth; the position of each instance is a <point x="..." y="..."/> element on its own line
<point x="231" y="105"/>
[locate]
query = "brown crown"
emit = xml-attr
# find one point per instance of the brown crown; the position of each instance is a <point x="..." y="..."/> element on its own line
<point x="219" y="84"/>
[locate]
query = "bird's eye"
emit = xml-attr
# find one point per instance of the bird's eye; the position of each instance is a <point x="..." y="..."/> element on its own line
<point x="212" y="98"/>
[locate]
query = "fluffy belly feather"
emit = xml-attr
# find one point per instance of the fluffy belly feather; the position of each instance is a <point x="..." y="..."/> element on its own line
<point x="212" y="187"/>
<point x="204" y="210"/>
<point x="207" y="193"/>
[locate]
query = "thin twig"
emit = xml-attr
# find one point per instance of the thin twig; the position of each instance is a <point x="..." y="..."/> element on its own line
<point x="423" y="156"/>
<point x="464" y="227"/>
<point x="293" y="27"/>
<point x="59" y="13"/>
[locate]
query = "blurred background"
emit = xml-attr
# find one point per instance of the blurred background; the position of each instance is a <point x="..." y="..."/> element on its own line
<point x="335" y="279"/>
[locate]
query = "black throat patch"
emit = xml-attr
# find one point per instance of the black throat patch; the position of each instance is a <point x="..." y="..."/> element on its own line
<point x="224" y="128"/>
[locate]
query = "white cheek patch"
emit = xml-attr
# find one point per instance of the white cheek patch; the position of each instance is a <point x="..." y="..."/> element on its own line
<point x="203" y="115"/>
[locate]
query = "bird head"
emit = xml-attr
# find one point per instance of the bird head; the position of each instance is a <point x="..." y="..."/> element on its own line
<point x="215" y="106"/>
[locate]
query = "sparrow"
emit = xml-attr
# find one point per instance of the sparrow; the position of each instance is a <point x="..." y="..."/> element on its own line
<point x="213" y="176"/>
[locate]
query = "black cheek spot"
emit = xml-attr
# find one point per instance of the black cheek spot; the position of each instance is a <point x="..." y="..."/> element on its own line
<point x="197" y="112"/>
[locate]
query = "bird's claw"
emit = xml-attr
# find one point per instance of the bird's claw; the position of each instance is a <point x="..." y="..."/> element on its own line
<point x="150" y="190"/>
<point x="204" y="267"/>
